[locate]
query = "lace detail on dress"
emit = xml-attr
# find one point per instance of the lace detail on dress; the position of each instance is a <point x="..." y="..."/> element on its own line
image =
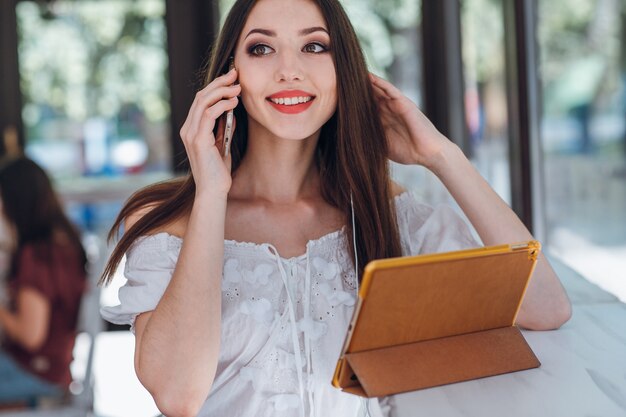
<point x="159" y="241"/>
<point x="283" y="320"/>
<point x="312" y="328"/>
<point x="260" y="310"/>
<point x="284" y="402"/>
<point x="256" y="376"/>
<point x="325" y="269"/>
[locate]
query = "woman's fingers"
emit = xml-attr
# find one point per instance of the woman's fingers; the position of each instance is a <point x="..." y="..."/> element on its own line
<point x="209" y="168"/>
<point x="380" y="93"/>
<point x="201" y="146"/>
<point x="384" y="101"/>
<point x="385" y="86"/>
<point x="207" y="120"/>
<point x="206" y="100"/>
<point x="226" y="79"/>
<point x="221" y="87"/>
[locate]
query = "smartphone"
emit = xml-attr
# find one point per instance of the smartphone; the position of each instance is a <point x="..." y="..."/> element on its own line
<point x="228" y="130"/>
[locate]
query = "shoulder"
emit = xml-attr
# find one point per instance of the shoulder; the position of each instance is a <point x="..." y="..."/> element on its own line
<point x="51" y="254"/>
<point x="153" y="250"/>
<point x="34" y="264"/>
<point x="27" y="254"/>
<point x="397" y="189"/>
<point x="176" y="227"/>
<point x="36" y="252"/>
<point x="430" y="229"/>
<point x="150" y="198"/>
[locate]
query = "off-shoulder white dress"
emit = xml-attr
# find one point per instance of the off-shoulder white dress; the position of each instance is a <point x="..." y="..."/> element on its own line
<point x="273" y="307"/>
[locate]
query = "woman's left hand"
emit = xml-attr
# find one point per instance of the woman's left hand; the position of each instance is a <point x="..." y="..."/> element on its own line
<point x="411" y="137"/>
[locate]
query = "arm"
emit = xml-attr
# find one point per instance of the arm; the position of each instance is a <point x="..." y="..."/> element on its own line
<point x="177" y="344"/>
<point x="28" y="325"/>
<point x="546" y="305"/>
<point x="412" y="139"/>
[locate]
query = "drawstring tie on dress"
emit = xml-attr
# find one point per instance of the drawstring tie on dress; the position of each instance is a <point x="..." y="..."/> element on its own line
<point x="306" y="324"/>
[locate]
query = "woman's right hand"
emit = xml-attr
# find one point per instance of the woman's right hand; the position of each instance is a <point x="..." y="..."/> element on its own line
<point x="210" y="169"/>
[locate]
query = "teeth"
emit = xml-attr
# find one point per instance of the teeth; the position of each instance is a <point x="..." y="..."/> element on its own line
<point x="290" y="101"/>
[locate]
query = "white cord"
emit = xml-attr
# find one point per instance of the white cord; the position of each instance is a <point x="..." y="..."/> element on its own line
<point x="364" y="401"/>
<point x="365" y="406"/>
<point x="356" y="255"/>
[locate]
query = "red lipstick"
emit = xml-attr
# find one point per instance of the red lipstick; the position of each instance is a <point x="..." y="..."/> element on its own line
<point x="287" y="96"/>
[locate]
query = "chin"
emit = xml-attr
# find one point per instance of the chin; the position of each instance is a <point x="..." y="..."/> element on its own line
<point x="296" y="134"/>
<point x="292" y="131"/>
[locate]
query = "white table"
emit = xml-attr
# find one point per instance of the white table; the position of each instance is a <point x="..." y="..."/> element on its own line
<point x="582" y="373"/>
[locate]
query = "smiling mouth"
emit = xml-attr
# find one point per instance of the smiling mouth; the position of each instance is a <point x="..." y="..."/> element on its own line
<point x="291" y="105"/>
<point x="291" y="101"/>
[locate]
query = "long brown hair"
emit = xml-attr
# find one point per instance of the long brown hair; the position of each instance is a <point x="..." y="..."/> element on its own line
<point x="31" y="206"/>
<point x="351" y="153"/>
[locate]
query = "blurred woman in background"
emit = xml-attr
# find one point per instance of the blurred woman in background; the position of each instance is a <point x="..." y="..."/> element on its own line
<point x="46" y="279"/>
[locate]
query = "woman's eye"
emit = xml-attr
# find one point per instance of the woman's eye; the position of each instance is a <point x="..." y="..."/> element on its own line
<point x="260" y="50"/>
<point x="315" y="48"/>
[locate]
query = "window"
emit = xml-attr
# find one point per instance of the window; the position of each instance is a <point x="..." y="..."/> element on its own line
<point x="93" y="77"/>
<point x="390" y="34"/>
<point x="583" y="74"/>
<point x="485" y="91"/>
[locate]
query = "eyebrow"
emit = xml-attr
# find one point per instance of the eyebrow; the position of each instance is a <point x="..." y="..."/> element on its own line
<point x="303" y="32"/>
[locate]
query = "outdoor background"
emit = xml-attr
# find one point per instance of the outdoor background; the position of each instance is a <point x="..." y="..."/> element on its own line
<point x="94" y="79"/>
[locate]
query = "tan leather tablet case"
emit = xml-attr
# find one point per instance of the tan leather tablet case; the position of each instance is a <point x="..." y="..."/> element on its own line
<point x="431" y="320"/>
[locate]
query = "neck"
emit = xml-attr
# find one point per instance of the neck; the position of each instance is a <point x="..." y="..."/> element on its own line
<point x="277" y="170"/>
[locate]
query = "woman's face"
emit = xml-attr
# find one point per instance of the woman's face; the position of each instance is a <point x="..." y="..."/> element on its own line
<point x="283" y="58"/>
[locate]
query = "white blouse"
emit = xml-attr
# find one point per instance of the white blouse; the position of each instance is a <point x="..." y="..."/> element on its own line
<point x="273" y="307"/>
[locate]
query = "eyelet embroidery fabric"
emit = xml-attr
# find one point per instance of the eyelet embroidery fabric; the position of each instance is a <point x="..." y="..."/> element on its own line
<point x="293" y="312"/>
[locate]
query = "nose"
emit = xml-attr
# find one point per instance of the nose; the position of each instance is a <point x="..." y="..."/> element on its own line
<point x="289" y="67"/>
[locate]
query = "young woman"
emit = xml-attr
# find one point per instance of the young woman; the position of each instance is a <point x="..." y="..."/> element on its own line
<point x="242" y="276"/>
<point x="46" y="280"/>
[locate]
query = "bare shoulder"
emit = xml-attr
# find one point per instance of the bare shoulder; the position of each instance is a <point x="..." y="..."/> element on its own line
<point x="176" y="227"/>
<point x="397" y="189"/>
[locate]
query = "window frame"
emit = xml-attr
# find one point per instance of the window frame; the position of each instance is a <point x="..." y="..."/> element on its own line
<point x="193" y="24"/>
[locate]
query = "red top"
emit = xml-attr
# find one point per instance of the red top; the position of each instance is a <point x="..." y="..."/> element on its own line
<point x="56" y="272"/>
